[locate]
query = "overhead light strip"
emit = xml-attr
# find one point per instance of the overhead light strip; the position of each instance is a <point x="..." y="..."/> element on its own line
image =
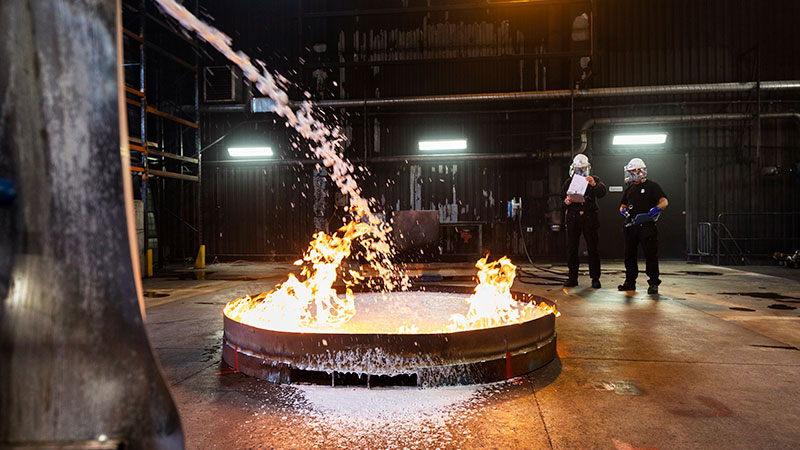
<point x="640" y="139"/>
<point x="249" y="152"/>
<point x="443" y="145"/>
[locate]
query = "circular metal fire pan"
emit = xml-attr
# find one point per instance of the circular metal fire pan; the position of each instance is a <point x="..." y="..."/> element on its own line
<point x="464" y="357"/>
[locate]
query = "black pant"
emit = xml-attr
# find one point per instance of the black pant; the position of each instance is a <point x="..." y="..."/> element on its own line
<point x="646" y="235"/>
<point x="586" y="224"/>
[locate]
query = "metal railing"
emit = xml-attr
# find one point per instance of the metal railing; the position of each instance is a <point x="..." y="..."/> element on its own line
<point x="705" y="245"/>
<point x="738" y="237"/>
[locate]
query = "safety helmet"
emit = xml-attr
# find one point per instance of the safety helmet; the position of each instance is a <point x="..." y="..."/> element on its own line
<point x="635" y="163"/>
<point x="580" y="165"/>
<point x="636" y="170"/>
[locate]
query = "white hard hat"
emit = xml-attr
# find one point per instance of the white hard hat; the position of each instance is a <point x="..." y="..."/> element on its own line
<point x="580" y="160"/>
<point x="635" y="163"/>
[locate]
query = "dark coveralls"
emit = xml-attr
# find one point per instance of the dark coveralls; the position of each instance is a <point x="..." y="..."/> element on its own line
<point x="640" y="198"/>
<point x="581" y="218"/>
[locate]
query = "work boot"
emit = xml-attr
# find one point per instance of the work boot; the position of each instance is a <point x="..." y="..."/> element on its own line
<point x="571" y="282"/>
<point x="596" y="284"/>
<point x="652" y="289"/>
<point x="626" y="287"/>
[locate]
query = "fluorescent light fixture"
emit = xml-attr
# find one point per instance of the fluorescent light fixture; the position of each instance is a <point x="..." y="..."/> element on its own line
<point x="447" y="144"/>
<point x="640" y="139"/>
<point x="245" y="152"/>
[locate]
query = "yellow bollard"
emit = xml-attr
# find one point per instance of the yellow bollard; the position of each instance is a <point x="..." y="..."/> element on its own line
<point x="200" y="262"/>
<point x="149" y="267"/>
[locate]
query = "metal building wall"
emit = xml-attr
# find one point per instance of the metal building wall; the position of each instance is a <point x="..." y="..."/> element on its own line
<point x="257" y="210"/>
<point x="695" y="41"/>
<point x="637" y="43"/>
<point x="751" y="190"/>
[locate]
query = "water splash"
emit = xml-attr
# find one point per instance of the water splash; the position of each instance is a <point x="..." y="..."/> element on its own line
<point x="325" y="143"/>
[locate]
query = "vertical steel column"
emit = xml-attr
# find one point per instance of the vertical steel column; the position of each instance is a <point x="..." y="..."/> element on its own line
<point x="143" y="120"/>
<point x="197" y="137"/>
<point x="758" y="103"/>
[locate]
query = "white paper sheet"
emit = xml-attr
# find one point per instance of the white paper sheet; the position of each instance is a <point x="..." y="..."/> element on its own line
<point x="577" y="188"/>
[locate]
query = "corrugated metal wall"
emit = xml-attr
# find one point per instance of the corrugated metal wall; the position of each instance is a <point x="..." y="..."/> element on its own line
<point x="257" y="211"/>
<point x="695" y="41"/>
<point x="637" y="43"/>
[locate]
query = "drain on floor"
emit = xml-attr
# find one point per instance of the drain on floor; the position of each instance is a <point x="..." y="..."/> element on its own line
<point x="781" y="306"/>
<point x="765" y="296"/>
<point x="619" y="387"/>
<point x="739" y="308"/>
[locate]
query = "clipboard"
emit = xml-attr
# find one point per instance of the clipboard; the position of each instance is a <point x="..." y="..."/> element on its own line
<point x="577" y="189"/>
<point x="643" y="218"/>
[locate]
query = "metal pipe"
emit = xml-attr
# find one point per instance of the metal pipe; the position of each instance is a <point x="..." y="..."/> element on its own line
<point x="263" y="104"/>
<point x="237" y="108"/>
<point x="543" y="154"/>
<point x="563" y="94"/>
<point x="642" y="120"/>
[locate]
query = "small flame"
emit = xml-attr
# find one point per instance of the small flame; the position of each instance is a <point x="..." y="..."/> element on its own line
<point x="312" y="303"/>
<point x="492" y="304"/>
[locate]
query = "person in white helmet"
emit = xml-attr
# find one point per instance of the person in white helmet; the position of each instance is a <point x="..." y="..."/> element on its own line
<point x="581" y="218"/>
<point x="646" y="199"/>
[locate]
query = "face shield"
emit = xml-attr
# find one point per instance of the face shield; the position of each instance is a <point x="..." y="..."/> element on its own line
<point x="581" y="171"/>
<point x="634" y="175"/>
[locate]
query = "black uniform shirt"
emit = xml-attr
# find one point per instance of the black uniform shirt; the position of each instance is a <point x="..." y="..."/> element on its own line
<point x="590" y="196"/>
<point x="640" y="198"/>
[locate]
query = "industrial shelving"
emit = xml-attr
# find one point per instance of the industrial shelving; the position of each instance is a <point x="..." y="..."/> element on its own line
<point x="163" y="124"/>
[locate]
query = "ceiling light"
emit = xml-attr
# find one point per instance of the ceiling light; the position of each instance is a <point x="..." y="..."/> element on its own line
<point x="640" y="139"/>
<point x="441" y="145"/>
<point x="249" y="152"/>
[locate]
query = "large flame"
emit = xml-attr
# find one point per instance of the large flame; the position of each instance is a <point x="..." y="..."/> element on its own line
<point x="310" y="303"/>
<point x="313" y="302"/>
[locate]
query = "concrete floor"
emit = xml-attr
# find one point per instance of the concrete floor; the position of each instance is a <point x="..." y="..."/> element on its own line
<point x="678" y="370"/>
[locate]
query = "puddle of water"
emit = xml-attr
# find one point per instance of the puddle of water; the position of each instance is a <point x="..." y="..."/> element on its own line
<point x="781" y="306"/>
<point x="739" y="308"/>
<point x="619" y="387"/>
<point x="784" y="347"/>
<point x="765" y="296"/>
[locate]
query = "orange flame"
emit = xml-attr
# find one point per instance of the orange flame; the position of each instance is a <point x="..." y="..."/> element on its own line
<point x="312" y="303"/>
<point x="492" y="304"/>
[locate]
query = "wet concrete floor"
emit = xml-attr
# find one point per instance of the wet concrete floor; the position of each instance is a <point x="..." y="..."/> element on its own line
<point x="711" y="362"/>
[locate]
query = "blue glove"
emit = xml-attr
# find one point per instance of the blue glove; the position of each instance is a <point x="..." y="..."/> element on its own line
<point x="654" y="211"/>
<point x="624" y="212"/>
